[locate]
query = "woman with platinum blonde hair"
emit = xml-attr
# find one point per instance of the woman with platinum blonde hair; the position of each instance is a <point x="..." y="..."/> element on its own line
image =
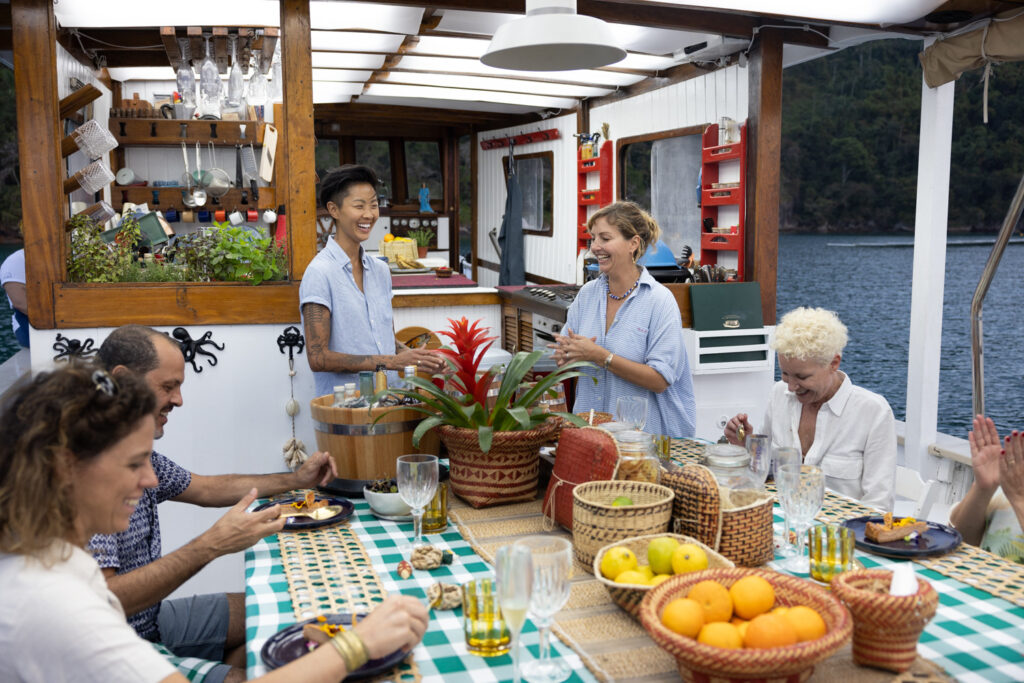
<point x="846" y="430"/>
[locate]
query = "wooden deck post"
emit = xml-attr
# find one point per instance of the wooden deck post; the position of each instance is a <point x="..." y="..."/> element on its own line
<point x="764" y="144"/>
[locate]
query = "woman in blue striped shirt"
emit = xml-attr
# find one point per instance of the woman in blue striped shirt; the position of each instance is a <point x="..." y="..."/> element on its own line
<point x="628" y="325"/>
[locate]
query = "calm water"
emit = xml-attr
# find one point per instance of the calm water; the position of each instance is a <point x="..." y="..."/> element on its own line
<point x="869" y="287"/>
<point x="8" y="344"/>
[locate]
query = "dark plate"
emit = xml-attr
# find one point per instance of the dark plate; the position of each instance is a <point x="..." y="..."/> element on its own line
<point x="938" y="539"/>
<point x="349" y="488"/>
<point x="303" y="523"/>
<point x="288" y="645"/>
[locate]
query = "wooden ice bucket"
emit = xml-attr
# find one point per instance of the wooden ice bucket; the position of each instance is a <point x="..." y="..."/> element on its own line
<point x="361" y="449"/>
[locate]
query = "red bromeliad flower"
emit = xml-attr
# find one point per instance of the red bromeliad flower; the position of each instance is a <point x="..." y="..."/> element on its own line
<point x="471" y="343"/>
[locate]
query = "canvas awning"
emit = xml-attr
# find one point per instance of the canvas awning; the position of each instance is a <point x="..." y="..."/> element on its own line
<point x="1000" y="40"/>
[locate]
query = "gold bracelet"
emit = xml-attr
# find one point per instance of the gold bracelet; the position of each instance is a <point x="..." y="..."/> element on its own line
<point x="356" y="647"/>
<point x="344" y="649"/>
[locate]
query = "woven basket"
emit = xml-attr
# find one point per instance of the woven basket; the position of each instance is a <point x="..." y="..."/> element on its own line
<point x="886" y="627"/>
<point x="743" y="534"/>
<point x="584" y="454"/>
<point x="700" y="662"/>
<point x="506" y="474"/>
<point x="394" y="249"/>
<point x="596" y="523"/>
<point x="629" y="595"/>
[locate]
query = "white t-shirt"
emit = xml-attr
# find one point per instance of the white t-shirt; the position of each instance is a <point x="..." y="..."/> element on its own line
<point x="13" y="270"/>
<point x="62" y="623"/>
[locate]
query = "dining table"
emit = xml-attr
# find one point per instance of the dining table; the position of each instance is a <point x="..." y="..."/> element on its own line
<point x="977" y="633"/>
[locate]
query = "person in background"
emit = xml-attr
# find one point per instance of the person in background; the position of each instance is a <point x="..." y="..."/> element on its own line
<point x="12" y="278"/>
<point x="628" y="324"/>
<point x="209" y="627"/>
<point x="345" y="295"/>
<point x="846" y="430"/>
<point x="991" y="515"/>
<point x="75" y="461"/>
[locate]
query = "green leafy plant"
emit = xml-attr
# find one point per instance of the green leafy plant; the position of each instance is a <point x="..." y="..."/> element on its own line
<point x="467" y="408"/>
<point x="239" y="255"/>
<point x="154" y="271"/>
<point x="91" y="259"/>
<point x="423" y="236"/>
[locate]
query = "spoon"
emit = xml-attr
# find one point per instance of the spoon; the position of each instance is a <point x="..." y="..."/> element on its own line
<point x="318" y="514"/>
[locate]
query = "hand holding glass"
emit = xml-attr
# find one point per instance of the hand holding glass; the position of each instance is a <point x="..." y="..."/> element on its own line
<point x="514" y="569"/>
<point x="802" y="491"/>
<point x="552" y="568"/>
<point x="632" y="410"/>
<point x="417" y="481"/>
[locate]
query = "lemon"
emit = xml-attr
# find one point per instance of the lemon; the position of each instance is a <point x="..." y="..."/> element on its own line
<point x="631" y="576"/>
<point x="659" y="554"/>
<point x="688" y="558"/>
<point x="658" y="578"/>
<point x="622" y="501"/>
<point x="646" y="570"/>
<point x="617" y="560"/>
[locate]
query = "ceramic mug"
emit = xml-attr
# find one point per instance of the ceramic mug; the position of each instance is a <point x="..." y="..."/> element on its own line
<point x="172" y="215"/>
<point x="269" y="216"/>
<point x="188" y="216"/>
<point x="204" y="216"/>
<point x="220" y="215"/>
<point x="252" y="215"/>
<point x="236" y="218"/>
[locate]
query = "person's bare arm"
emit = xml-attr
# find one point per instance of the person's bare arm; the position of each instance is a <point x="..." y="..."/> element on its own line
<point x="236" y="530"/>
<point x="225" y="489"/>
<point x="18" y="293"/>
<point x="970" y="514"/>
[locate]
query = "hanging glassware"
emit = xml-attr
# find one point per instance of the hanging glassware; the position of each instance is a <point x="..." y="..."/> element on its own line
<point x="186" y="79"/>
<point x="276" y="84"/>
<point x="256" y="94"/>
<point x="234" y="76"/>
<point x="210" y="86"/>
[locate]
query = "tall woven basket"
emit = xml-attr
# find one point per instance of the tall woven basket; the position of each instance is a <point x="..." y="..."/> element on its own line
<point x="886" y="627"/>
<point x="596" y="522"/>
<point x="505" y="474"/>
<point x="743" y="534"/>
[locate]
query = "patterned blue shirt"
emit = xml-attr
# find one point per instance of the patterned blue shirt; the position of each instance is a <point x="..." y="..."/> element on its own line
<point x="140" y="543"/>
<point x="361" y="321"/>
<point x="647" y="329"/>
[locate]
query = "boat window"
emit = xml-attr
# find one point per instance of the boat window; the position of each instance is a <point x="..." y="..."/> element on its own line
<point x="423" y="165"/>
<point x="326" y="156"/>
<point x="536" y="183"/>
<point x="377" y="155"/>
<point x="465" y="196"/>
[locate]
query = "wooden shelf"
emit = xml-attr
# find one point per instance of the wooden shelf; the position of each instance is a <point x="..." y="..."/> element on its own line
<point x="593" y="196"/>
<point x="170" y="197"/>
<point x="713" y="198"/>
<point x="168" y="132"/>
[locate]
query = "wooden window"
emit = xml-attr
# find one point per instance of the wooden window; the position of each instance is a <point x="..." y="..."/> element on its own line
<point x="536" y="181"/>
<point x="423" y="165"/>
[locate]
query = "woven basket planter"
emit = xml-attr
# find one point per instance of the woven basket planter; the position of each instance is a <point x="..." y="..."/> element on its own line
<point x="596" y="522"/>
<point x="628" y="596"/>
<point x="506" y="474"/>
<point x="584" y="454"/>
<point x="700" y="662"/>
<point x="742" y="534"/>
<point x="886" y="627"/>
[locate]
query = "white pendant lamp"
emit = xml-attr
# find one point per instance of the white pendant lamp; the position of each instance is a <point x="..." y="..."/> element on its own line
<point x="552" y="37"/>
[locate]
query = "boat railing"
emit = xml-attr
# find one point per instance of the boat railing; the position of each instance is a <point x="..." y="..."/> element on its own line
<point x="955" y="471"/>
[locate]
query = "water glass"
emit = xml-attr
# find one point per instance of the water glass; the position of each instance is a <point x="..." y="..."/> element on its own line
<point x="802" y="491"/>
<point x="552" y="569"/>
<point x="760" y="448"/>
<point x="486" y="633"/>
<point x="632" y="410"/>
<point x="417" y="481"/>
<point x="830" y="551"/>
<point x="781" y="457"/>
<point x="514" y="569"/>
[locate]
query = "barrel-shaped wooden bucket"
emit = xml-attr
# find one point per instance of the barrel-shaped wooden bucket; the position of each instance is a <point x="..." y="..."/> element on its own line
<point x="362" y="449"/>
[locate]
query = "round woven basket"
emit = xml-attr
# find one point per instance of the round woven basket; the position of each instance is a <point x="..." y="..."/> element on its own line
<point x="505" y="474"/>
<point x="596" y="522"/>
<point x="628" y="596"/>
<point x="698" y="661"/>
<point x="886" y="627"/>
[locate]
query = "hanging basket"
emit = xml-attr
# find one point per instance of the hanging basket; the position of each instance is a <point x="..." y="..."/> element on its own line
<point x="505" y="474"/>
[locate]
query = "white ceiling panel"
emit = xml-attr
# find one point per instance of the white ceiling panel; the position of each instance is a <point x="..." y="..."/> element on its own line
<point x="339" y="75"/>
<point x="120" y="13"/>
<point x="475" y="67"/>
<point x="346" y="60"/>
<point x="481" y="23"/>
<point x="143" y="73"/>
<point x="335" y="92"/>
<point x="452" y="47"/>
<point x="454" y="105"/>
<point x="501" y="84"/>
<point x="355" y="41"/>
<point x="427" y="92"/>
<point x="362" y="16"/>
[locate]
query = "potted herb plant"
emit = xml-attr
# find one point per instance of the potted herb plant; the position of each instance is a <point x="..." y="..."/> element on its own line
<point x="423" y="236"/>
<point x="494" y="452"/>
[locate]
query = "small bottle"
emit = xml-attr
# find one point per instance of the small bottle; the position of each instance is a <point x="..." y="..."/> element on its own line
<point x="366" y="384"/>
<point x="380" y="379"/>
<point x="339" y="396"/>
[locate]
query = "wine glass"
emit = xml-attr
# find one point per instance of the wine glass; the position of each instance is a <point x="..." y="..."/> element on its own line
<point x="802" y="490"/>
<point x="235" y="83"/>
<point x="780" y="458"/>
<point x="514" y="568"/>
<point x="632" y="410"/>
<point x="210" y="86"/>
<point x="760" y="448"/>
<point x="552" y="568"/>
<point x="417" y="482"/>
<point x="186" y="80"/>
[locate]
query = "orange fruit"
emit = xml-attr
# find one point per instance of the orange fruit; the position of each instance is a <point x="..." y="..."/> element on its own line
<point x="743" y="629"/>
<point x="779" y="611"/>
<point x="388" y="237"/>
<point x="721" y="634"/>
<point x="684" y="616"/>
<point x="808" y="624"/>
<point x="714" y="598"/>
<point x="767" y="631"/>
<point x="751" y="595"/>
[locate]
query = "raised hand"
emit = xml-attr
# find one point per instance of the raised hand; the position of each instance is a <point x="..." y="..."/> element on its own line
<point x="733" y="426"/>
<point x="238" y="529"/>
<point x="985" y="453"/>
<point x="318" y="469"/>
<point x="1011" y="469"/>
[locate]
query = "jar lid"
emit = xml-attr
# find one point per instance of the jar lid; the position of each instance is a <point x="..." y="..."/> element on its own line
<point x="726" y="455"/>
<point x="615" y="427"/>
<point x="339" y="388"/>
<point x="628" y="436"/>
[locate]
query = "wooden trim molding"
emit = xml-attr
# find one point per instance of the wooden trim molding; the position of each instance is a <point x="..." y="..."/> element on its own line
<point x="620" y="159"/>
<point x="496" y="267"/>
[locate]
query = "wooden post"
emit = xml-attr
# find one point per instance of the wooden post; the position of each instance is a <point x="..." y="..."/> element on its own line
<point x="764" y="144"/>
<point x="300" y="193"/>
<point x="44" y="206"/>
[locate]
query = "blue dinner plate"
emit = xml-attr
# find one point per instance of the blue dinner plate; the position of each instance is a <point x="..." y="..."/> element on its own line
<point x="303" y="523"/>
<point x="288" y="645"/>
<point x="937" y="539"/>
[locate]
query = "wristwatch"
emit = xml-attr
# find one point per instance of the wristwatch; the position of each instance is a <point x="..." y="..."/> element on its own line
<point x="608" y="360"/>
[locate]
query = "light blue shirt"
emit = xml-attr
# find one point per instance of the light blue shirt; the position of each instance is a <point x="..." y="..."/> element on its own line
<point x="648" y="330"/>
<point x="361" y="321"/>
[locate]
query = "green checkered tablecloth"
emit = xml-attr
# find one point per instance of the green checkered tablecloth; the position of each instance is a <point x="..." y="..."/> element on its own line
<point x="442" y="655"/>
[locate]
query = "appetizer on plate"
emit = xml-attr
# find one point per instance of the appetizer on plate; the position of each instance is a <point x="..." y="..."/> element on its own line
<point x="892" y="529"/>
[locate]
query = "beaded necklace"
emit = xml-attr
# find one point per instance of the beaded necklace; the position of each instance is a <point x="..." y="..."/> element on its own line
<point x="627" y="292"/>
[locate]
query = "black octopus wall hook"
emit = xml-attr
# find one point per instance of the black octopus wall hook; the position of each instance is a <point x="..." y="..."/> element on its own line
<point x="190" y="348"/>
<point x="72" y="348"/>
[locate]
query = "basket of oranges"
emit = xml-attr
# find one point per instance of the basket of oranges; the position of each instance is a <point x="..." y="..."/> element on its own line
<point x="631" y="567"/>
<point x="740" y="623"/>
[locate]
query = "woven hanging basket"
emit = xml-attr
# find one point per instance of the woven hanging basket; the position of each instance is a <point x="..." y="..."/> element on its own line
<point x="596" y="522"/>
<point x="505" y="474"/>
<point x="886" y="627"/>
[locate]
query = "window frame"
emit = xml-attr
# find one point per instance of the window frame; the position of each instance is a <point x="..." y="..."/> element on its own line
<point x="549" y="155"/>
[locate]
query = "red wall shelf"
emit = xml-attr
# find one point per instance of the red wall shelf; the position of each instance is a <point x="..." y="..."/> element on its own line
<point x="593" y="196"/>
<point x="713" y="198"/>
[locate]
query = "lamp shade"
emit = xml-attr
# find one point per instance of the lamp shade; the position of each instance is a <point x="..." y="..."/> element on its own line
<point x="552" y="37"/>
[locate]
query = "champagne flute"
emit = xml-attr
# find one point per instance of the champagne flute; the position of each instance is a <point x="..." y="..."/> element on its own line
<point x="782" y="457"/>
<point x="632" y="410"/>
<point x="417" y="482"/>
<point x="514" y="568"/>
<point x="552" y="568"/>
<point x="803" y="493"/>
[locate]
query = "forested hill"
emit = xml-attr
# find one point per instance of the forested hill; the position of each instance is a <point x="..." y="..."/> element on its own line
<point x="849" y="142"/>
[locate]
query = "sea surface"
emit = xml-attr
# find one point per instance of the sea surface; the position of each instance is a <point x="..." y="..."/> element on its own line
<point x="866" y="279"/>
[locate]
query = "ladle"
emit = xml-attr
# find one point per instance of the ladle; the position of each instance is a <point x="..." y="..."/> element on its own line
<point x="191" y="198"/>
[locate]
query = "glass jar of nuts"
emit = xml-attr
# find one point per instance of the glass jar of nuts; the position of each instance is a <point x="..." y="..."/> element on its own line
<point x="638" y="460"/>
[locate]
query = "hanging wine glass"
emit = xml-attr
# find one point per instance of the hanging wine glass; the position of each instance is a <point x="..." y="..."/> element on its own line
<point x="210" y="87"/>
<point x="257" y="91"/>
<point x="276" y="84"/>
<point x="186" y="79"/>
<point x="235" y="82"/>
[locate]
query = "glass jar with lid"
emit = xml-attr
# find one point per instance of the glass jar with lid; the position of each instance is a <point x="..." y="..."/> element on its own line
<point x="638" y="460"/>
<point x="731" y="466"/>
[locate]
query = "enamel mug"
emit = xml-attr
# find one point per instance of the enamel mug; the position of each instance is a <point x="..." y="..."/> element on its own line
<point x="220" y="215"/>
<point x="236" y="218"/>
<point x="252" y="215"/>
<point x="269" y="217"/>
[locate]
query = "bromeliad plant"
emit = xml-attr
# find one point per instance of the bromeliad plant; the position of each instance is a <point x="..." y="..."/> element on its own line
<point x="466" y="406"/>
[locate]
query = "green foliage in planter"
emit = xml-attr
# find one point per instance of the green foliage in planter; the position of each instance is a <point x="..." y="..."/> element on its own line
<point x="154" y="271"/>
<point x="239" y="255"/>
<point x="90" y="259"/>
<point x="423" y="236"/>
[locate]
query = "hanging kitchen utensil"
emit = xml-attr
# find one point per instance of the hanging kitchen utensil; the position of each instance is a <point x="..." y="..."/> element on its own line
<point x="250" y="170"/>
<point x="269" y="151"/>
<point x="239" y="183"/>
<point x="200" y="177"/>
<point x="220" y="181"/>
<point x="187" y="196"/>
